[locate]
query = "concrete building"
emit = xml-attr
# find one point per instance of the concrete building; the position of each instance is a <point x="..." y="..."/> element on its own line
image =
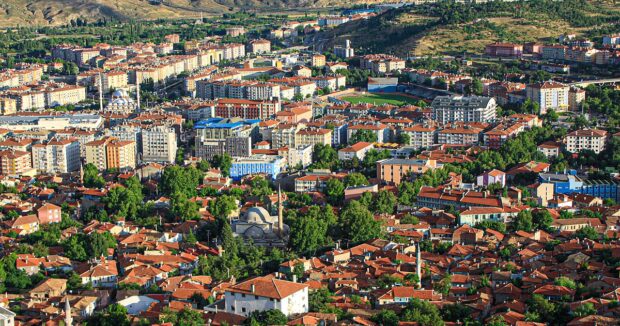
<point x="394" y="171"/>
<point x="51" y="122"/>
<point x="448" y="109"/>
<point x="256" y="164"/>
<point x="159" y="144"/>
<point x="420" y="136"/>
<point x="259" y="46"/>
<point x="586" y="139"/>
<point x="549" y="95"/>
<point x="504" y="50"/>
<point x="318" y="60"/>
<point x="56" y="156"/>
<point x="96" y="153"/>
<point x="121" y="154"/>
<point x="15" y="163"/>
<point x="358" y="150"/>
<point x="313" y="136"/>
<point x="344" y="51"/>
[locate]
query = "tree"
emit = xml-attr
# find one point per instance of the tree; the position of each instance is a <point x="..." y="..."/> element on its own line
<point x="92" y="179"/>
<point x="185" y="317"/>
<point x="385" y="202"/>
<point x="363" y="135"/>
<point x="542" y="219"/>
<point x="114" y="315"/>
<point x="177" y="179"/>
<point x="386" y="318"/>
<point x="355" y="179"/>
<point x="223" y="162"/>
<point x="523" y="221"/>
<point x="324" y="156"/>
<point x="358" y="224"/>
<point x="423" y="312"/>
<point x="444" y="285"/>
<point x="542" y="307"/>
<point x="565" y="281"/>
<point x="183" y="208"/>
<point x="455" y="312"/>
<point x="477" y="87"/>
<point x="585" y="309"/>
<point x="404" y="138"/>
<point x="587" y="232"/>
<point x="334" y="190"/>
<point x="409" y="219"/>
<point x="260" y="187"/>
<point x="223" y="206"/>
<point x="268" y="317"/>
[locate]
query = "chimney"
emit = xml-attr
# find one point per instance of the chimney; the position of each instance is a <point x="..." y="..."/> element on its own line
<point x="252" y="288"/>
<point x="294" y="278"/>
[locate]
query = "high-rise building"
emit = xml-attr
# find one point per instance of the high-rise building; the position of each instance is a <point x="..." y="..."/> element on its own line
<point x="159" y="144"/>
<point x="15" y="162"/>
<point x="448" y="109"/>
<point x="56" y="156"/>
<point x="548" y="95"/>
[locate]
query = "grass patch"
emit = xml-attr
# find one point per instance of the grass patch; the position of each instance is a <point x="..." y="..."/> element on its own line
<point x="379" y="99"/>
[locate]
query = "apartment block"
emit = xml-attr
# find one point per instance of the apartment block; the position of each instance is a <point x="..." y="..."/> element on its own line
<point x="15" y="163"/>
<point x="448" y="109"/>
<point x="159" y="144"/>
<point x="548" y="96"/>
<point x="56" y="156"/>
<point x="586" y="139"/>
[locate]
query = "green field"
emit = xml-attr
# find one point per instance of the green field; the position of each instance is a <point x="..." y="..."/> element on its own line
<point x="378" y="99"/>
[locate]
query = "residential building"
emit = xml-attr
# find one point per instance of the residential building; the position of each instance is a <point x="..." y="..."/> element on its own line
<point x="313" y="136"/>
<point x="56" y="156"/>
<point x="49" y="213"/>
<point x="121" y="154"/>
<point x="474" y="215"/>
<point x="491" y="177"/>
<point x="440" y="198"/>
<point x="159" y="144"/>
<point x="345" y="51"/>
<point x="358" y="150"/>
<point x="267" y="293"/>
<point x="394" y="171"/>
<point x="420" y="136"/>
<point x="459" y="136"/>
<point x="550" y="149"/>
<point x="504" y="50"/>
<point x="259" y="46"/>
<point x="447" y="109"/>
<point x="96" y="153"/>
<point x="318" y="60"/>
<point x="576" y="96"/>
<point x="15" y="162"/>
<point x="586" y="139"/>
<point x="549" y="96"/>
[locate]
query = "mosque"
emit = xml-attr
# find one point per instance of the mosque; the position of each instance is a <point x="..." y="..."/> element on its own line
<point x="121" y="103"/>
<point x="263" y="228"/>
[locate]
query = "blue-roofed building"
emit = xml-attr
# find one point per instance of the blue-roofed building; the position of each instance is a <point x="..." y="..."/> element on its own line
<point x="216" y="136"/>
<point x="571" y="183"/>
<point x="256" y="164"/>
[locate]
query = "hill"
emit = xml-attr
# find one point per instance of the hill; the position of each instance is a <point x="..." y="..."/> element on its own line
<point x="452" y="28"/>
<point x="56" y="12"/>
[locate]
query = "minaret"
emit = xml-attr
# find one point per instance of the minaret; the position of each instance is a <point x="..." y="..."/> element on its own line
<point x="81" y="173"/>
<point x="418" y="264"/>
<point x="100" y="93"/>
<point x="68" y="317"/>
<point x="138" y="95"/>
<point x="280" y="213"/>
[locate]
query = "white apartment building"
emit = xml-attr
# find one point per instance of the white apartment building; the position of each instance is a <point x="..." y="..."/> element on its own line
<point x="586" y="139"/>
<point x="420" y="136"/>
<point x="56" y="156"/>
<point x="548" y="95"/>
<point x="159" y="144"/>
<point x="448" y="109"/>
<point x="267" y="293"/>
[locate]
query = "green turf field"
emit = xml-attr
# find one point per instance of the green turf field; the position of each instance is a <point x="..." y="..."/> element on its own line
<point x="378" y="99"/>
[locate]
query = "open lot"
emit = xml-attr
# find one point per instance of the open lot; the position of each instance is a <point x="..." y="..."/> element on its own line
<point x="378" y="99"/>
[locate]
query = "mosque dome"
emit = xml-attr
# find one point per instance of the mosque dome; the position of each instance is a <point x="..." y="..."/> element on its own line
<point x="257" y="215"/>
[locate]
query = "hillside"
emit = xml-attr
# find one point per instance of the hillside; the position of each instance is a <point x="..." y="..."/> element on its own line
<point x="456" y="28"/>
<point x="55" y="12"/>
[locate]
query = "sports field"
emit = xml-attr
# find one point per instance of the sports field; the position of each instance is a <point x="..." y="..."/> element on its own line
<point x="378" y="99"/>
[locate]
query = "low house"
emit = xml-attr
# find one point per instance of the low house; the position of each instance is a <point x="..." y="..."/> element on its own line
<point x="49" y="213"/>
<point x="52" y="287"/>
<point x="492" y="177"/>
<point x="267" y="293"/>
<point x="358" y="150"/>
<point x="104" y="274"/>
<point x="404" y="294"/>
